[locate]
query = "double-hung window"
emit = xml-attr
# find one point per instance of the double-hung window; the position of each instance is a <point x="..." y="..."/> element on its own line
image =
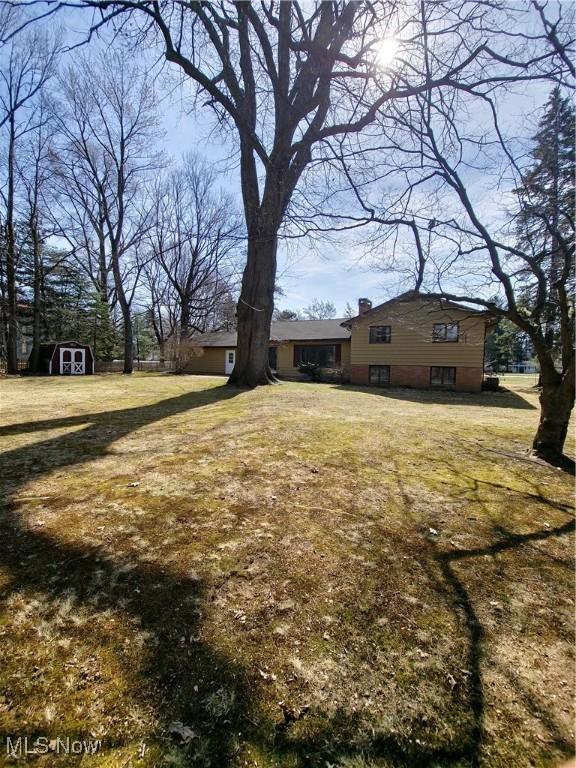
<point x="446" y="332"/>
<point x="380" y="334"/>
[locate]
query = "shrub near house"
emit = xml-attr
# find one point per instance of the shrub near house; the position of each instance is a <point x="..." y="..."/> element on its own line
<point x="414" y="340"/>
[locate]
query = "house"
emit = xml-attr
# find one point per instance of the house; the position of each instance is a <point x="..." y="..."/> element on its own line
<point x="291" y="342"/>
<point x="413" y="340"/>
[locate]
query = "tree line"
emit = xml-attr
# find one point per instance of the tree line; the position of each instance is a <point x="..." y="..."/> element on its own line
<point x="99" y="233"/>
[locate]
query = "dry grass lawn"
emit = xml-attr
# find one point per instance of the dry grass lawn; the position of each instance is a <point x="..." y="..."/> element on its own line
<point x="298" y="576"/>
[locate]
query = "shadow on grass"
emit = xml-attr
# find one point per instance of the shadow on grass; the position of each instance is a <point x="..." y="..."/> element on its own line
<point x="166" y="606"/>
<point x="506" y="399"/>
<point x="452" y="583"/>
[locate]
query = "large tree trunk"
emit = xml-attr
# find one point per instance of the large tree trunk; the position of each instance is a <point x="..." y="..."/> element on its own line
<point x="254" y="314"/>
<point x="126" y="316"/>
<point x="556" y="403"/>
<point x="128" y="342"/>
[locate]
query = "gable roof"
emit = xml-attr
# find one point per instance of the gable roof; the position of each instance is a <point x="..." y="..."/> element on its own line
<point x="284" y="330"/>
<point x="415" y="296"/>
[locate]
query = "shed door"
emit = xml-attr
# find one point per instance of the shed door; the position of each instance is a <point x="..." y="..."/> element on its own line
<point x="72" y="361"/>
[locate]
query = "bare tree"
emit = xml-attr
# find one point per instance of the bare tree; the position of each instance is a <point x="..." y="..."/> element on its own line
<point x="107" y="123"/>
<point x="191" y="251"/>
<point x="465" y="235"/>
<point x="294" y="80"/>
<point x="27" y="63"/>
<point x="34" y="175"/>
<point x="320" y="310"/>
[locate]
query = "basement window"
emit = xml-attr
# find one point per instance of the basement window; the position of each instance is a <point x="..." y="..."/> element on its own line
<point x="442" y="376"/>
<point x="379" y="375"/>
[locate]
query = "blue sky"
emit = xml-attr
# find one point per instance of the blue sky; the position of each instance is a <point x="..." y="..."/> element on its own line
<point x="305" y="272"/>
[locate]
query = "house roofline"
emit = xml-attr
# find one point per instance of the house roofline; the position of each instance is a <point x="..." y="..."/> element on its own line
<point x="413" y="296"/>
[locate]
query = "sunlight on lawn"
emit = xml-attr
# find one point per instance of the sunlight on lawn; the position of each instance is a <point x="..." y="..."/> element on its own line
<point x="299" y="575"/>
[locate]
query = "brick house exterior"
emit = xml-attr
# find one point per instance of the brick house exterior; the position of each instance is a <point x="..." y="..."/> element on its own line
<point x="414" y="340"/>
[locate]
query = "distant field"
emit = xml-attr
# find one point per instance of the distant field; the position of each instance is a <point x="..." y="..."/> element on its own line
<point x="297" y="576"/>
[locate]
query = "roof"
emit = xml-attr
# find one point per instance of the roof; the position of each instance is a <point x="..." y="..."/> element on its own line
<point x="52" y="344"/>
<point x="284" y="330"/>
<point x="414" y="296"/>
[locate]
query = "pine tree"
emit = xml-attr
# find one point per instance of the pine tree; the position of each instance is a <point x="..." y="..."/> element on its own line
<point x="545" y="222"/>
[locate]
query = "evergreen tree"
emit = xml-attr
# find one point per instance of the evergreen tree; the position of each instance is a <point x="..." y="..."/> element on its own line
<point x="506" y="344"/>
<point x="545" y="222"/>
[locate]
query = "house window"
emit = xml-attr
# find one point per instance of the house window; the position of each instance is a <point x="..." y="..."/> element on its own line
<point x="446" y="332"/>
<point x="380" y="334"/>
<point x="379" y="375"/>
<point x="324" y="355"/>
<point x="273" y="358"/>
<point x="231" y="358"/>
<point x="442" y="376"/>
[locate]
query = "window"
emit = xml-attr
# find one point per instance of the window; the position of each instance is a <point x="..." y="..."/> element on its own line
<point x="441" y="376"/>
<point x="273" y="357"/>
<point x="380" y="334"/>
<point x="379" y="375"/>
<point x="231" y="357"/>
<point x="324" y="355"/>
<point x="446" y="332"/>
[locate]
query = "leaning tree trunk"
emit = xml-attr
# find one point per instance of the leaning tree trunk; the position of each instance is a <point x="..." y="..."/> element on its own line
<point x="254" y="314"/>
<point x="556" y="403"/>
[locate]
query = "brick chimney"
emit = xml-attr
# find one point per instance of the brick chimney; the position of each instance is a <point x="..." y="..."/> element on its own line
<point x="364" y="305"/>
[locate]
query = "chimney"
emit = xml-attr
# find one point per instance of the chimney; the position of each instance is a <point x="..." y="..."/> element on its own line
<point x="364" y="305"/>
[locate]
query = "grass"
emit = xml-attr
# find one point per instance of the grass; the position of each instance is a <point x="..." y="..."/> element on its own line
<point x="303" y="575"/>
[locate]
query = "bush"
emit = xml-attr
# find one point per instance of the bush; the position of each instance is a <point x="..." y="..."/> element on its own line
<point x="491" y="384"/>
<point x="312" y="370"/>
<point x="319" y="373"/>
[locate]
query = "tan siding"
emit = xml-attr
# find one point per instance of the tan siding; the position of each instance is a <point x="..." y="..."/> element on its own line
<point x="285" y="356"/>
<point x="209" y="360"/>
<point x="411" y="341"/>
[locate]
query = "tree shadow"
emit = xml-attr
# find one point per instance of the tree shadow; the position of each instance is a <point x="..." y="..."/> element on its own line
<point x="338" y="739"/>
<point x="167" y="606"/>
<point x="453" y="584"/>
<point x="505" y="399"/>
<point x="164" y="605"/>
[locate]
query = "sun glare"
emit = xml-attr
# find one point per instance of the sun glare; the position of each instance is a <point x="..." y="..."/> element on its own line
<point x="387" y="50"/>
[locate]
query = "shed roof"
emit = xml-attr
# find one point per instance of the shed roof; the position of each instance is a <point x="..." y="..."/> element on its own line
<point x="284" y="330"/>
